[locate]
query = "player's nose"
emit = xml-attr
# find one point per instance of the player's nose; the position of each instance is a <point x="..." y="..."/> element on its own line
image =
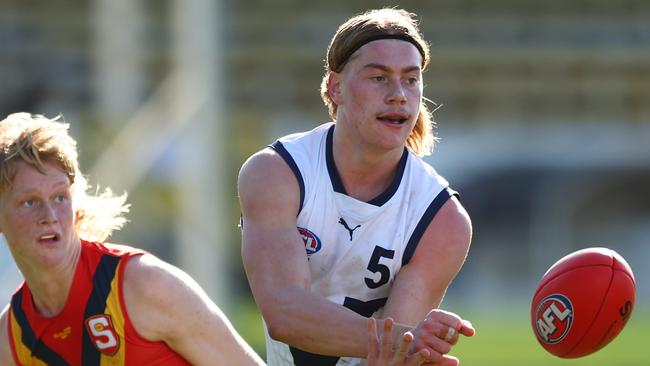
<point x="396" y="93"/>
<point x="47" y="214"/>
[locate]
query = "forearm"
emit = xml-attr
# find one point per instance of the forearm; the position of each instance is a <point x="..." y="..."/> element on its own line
<point x="223" y="344"/>
<point x="308" y="321"/>
<point x="240" y="352"/>
<point x="407" y="312"/>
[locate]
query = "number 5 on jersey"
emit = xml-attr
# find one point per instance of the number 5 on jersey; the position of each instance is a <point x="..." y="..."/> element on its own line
<point x="375" y="266"/>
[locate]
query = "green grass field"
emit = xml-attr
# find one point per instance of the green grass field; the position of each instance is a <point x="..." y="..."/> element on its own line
<point x="505" y="339"/>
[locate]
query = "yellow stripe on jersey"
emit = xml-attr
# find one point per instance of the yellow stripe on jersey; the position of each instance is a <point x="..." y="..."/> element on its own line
<point x="23" y="353"/>
<point x="114" y="309"/>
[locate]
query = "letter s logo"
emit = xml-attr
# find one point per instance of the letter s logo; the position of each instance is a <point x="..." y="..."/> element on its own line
<point x="102" y="334"/>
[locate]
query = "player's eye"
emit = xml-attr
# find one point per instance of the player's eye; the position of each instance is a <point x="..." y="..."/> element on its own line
<point x="378" y="78"/>
<point x="60" y="198"/>
<point x="412" y="80"/>
<point x="28" y="203"/>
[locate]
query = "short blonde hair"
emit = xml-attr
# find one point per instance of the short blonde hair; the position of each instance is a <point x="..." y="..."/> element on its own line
<point x="36" y="140"/>
<point x="364" y="28"/>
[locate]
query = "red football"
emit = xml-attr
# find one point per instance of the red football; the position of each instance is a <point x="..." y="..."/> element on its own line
<point x="583" y="302"/>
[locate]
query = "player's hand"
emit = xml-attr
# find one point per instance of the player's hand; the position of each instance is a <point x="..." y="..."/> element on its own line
<point x="437" y="333"/>
<point x="381" y="352"/>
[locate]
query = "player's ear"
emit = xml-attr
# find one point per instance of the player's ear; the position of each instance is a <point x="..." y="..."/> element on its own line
<point x="334" y="87"/>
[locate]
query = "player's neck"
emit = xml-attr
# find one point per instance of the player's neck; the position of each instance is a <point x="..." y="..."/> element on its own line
<point x="51" y="286"/>
<point x="365" y="174"/>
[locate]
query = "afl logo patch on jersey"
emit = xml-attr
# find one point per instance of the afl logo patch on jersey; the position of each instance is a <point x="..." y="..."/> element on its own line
<point x="312" y="242"/>
<point x="553" y="318"/>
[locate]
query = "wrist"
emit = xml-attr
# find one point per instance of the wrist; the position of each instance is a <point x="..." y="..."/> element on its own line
<point x="397" y="332"/>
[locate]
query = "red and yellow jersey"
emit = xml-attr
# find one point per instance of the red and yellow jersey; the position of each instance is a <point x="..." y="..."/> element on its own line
<point x="94" y="328"/>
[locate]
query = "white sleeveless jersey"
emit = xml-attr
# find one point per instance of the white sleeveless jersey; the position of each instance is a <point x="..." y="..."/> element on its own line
<point x="355" y="248"/>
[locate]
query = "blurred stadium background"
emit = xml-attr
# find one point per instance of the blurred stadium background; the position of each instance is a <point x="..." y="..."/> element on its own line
<point x="545" y="131"/>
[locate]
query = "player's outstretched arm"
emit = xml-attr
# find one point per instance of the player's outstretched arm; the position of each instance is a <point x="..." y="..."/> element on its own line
<point x="166" y="304"/>
<point x="5" y="351"/>
<point x="421" y="284"/>
<point x="276" y="265"/>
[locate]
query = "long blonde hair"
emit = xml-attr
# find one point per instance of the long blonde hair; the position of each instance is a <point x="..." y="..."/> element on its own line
<point x="35" y="140"/>
<point x="372" y="25"/>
